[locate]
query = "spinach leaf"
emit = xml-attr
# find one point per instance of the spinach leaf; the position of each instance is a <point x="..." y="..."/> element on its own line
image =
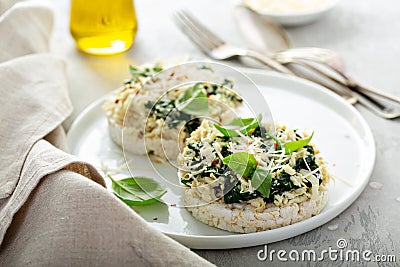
<point x="137" y="191"/>
<point x="161" y="109"/>
<point x="279" y="185"/>
<point x="225" y="151"/>
<point x="165" y="109"/>
<point x="235" y="196"/>
<point x="193" y="100"/>
<point x="295" y="145"/>
<point x="242" y="163"/>
<point x="192" y="125"/>
<point x="186" y="181"/>
<point x="308" y="162"/>
<point x="261" y="181"/>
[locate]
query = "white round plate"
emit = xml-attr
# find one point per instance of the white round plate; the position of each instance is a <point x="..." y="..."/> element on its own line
<point x="342" y="135"/>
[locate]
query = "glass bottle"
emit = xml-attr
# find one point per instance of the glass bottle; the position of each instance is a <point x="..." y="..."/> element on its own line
<point x="103" y="27"/>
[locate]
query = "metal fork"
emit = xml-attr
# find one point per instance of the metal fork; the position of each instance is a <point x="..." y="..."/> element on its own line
<point x="216" y="48"/>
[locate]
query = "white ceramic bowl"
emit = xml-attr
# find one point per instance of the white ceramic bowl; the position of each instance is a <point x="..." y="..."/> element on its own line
<point x="295" y="18"/>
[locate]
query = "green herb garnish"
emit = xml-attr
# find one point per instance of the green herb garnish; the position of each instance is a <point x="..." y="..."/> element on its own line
<point x="226" y="132"/>
<point x="244" y="126"/>
<point x="245" y="165"/>
<point x="146" y="72"/>
<point x="261" y="181"/>
<point x="157" y="68"/>
<point x="295" y="145"/>
<point x="243" y="122"/>
<point x="137" y="191"/>
<point x="242" y="163"/>
<point x="193" y="100"/>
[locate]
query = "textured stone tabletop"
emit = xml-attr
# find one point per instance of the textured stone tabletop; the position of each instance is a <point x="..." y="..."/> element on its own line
<point x="366" y="33"/>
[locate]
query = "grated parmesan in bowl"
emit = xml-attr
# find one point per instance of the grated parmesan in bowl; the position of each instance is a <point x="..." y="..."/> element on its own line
<point x="291" y="12"/>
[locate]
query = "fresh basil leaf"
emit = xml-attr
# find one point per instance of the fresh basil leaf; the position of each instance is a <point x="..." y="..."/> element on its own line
<point x="242" y="122"/>
<point x="247" y="123"/>
<point x="137" y="191"/>
<point x="252" y="126"/>
<point x="261" y="181"/>
<point x="244" y="126"/>
<point x="226" y="132"/>
<point x="295" y="145"/>
<point x="242" y="163"/>
<point x="193" y="100"/>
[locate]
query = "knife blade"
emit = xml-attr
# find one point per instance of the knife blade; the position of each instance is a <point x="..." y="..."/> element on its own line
<point x="260" y="32"/>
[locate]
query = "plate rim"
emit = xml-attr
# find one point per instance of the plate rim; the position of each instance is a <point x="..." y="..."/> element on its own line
<point x="245" y="240"/>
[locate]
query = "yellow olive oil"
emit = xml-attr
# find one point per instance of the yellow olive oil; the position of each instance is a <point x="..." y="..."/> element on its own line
<point x="103" y="27"/>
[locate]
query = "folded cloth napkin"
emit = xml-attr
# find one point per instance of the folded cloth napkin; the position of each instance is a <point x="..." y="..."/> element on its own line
<point x="54" y="209"/>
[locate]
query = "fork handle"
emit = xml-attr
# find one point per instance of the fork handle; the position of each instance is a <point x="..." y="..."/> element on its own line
<point x="352" y="84"/>
<point x="267" y="61"/>
<point x="369" y="90"/>
<point x="359" y="96"/>
<point x="375" y="106"/>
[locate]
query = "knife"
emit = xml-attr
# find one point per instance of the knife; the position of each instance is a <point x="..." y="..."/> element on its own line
<point x="271" y="37"/>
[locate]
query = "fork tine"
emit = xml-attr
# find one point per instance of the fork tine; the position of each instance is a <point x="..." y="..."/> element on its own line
<point x="196" y="32"/>
<point x="205" y="46"/>
<point x="201" y="29"/>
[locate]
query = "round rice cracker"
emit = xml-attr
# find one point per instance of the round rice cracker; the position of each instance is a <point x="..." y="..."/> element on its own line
<point x="246" y="219"/>
<point x="132" y="139"/>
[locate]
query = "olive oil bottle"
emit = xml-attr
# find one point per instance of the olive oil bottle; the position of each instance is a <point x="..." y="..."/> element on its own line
<point x="103" y="27"/>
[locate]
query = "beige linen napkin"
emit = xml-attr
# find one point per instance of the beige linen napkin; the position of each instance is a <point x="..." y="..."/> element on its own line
<point x="50" y="212"/>
<point x="37" y="21"/>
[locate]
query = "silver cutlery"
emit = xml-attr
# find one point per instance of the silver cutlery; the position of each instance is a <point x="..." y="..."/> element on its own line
<point x="265" y="35"/>
<point x="215" y="47"/>
<point x="269" y="38"/>
<point x="218" y="49"/>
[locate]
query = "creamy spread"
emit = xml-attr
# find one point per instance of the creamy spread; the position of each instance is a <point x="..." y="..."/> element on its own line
<point x="285" y="6"/>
